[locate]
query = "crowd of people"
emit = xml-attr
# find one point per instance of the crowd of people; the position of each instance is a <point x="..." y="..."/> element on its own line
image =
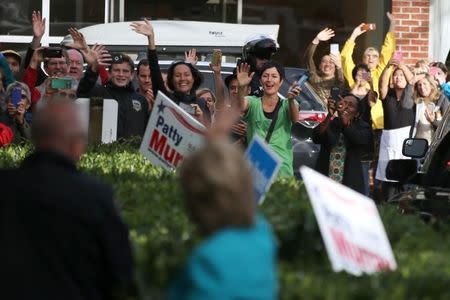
<point x="373" y="106"/>
<point x="396" y="100"/>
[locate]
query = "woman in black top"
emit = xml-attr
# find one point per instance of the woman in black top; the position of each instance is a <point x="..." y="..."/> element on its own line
<point x="183" y="79"/>
<point x="396" y="90"/>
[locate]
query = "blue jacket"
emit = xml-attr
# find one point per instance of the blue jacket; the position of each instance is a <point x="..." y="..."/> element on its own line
<point x="234" y="263"/>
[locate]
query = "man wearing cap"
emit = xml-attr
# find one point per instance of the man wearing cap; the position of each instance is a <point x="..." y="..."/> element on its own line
<point x="14" y="60"/>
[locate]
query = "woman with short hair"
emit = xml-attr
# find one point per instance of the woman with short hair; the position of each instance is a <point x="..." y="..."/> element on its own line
<point x="270" y="116"/>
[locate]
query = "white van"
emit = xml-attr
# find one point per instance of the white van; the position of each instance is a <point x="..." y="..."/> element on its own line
<point x="173" y="38"/>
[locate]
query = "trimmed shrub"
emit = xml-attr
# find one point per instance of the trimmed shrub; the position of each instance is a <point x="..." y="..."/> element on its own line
<point x="162" y="236"/>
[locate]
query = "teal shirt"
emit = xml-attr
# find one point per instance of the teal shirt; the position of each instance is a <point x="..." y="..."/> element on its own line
<point x="234" y="263"/>
<point x="280" y="142"/>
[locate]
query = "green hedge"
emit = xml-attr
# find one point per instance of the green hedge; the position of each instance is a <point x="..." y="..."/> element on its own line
<point x="162" y="236"/>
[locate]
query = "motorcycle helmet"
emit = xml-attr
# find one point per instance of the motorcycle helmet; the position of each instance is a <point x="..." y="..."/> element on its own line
<point x="260" y="46"/>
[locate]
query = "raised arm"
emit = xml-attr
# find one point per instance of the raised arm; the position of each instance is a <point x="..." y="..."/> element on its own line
<point x="383" y="85"/>
<point x="388" y="48"/>
<point x="322" y="36"/>
<point x="346" y="54"/>
<point x="146" y="28"/>
<point x="38" y="26"/>
<point x="219" y="86"/>
<point x="244" y="79"/>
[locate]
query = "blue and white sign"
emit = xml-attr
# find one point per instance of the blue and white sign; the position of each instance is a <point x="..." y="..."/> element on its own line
<point x="265" y="165"/>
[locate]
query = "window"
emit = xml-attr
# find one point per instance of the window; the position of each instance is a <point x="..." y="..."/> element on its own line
<point x="190" y="10"/>
<point x="15" y="16"/>
<point x="75" y="13"/>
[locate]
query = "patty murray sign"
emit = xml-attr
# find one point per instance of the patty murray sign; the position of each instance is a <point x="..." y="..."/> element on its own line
<point x="171" y="134"/>
<point x="350" y="225"/>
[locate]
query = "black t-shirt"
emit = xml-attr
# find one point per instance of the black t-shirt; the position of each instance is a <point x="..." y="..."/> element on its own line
<point x="398" y="113"/>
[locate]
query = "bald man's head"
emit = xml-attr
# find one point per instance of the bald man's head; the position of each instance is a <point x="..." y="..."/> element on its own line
<point x="57" y="126"/>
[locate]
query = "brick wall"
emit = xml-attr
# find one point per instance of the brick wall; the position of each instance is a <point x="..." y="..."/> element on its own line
<point x="412" y="28"/>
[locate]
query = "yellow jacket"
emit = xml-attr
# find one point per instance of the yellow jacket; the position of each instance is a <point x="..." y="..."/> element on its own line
<point x="387" y="50"/>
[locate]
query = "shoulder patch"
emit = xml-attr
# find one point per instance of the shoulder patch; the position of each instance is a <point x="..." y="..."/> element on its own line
<point x="136" y="105"/>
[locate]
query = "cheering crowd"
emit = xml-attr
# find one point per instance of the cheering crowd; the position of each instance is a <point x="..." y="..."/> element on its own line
<point x="373" y="106"/>
<point x="391" y="101"/>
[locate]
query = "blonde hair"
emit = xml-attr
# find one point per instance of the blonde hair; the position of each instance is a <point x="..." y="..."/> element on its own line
<point x="202" y="91"/>
<point x="217" y="185"/>
<point x="435" y="93"/>
<point x="371" y="49"/>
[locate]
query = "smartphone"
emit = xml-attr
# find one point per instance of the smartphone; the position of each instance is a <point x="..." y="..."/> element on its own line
<point x="398" y="55"/>
<point x="216" y="57"/>
<point x="52" y="52"/>
<point x="334" y="49"/>
<point x="16" y="96"/>
<point x="187" y="108"/>
<point x="369" y="26"/>
<point x="335" y="93"/>
<point x="61" y="83"/>
<point x="303" y="78"/>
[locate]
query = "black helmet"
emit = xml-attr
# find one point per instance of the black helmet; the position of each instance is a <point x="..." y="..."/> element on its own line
<point x="260" y="46"/>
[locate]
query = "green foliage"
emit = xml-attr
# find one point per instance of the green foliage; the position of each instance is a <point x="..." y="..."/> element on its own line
<point x="162" y="236"/>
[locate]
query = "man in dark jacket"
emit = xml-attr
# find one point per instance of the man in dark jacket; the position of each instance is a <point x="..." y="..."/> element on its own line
<point x="133" y="107"/>
<point x="61" y="236"/>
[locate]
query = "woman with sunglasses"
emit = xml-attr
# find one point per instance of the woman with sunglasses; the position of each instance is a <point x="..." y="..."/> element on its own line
<point x="18" y="101"/>
<point x="183" y="79"/>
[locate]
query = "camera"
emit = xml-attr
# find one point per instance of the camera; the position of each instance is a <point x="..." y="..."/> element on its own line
<point x="53" y="52"/>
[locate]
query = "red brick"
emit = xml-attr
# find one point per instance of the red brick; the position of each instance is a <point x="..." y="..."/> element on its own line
<point x="424" y="36"/>
<point x="402" y="28"/>
<point x="425" y="10"/>
<point x="396" y="10"/>
<point x="402" y="16"/>
<point x="410" y="9"/>
<point x="418" y="54"/>
<point x="424" y="48"/>
<point x="410" y="48"/>
<point x="421" y="16"/>
<point x="401" y="3"/>
<point x="420" y="42"/>
<point x="410" y="35"/>
<point x="425" y="23"/>
<point x="419" y="29"/>
<point x="419" y="3"/>
<point x="403" y="42"/>
<point x="410" y="22"/>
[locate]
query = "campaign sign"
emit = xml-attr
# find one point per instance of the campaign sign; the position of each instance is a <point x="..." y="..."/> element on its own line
<point x="265" y="165"/>
<point x="171" y="134"/>
<point x="350" y="225"/>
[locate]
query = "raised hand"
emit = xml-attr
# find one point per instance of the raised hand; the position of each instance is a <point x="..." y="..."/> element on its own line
<point x="243" y="74"/>
<point x="102" y="55"/>
<point x="144" y="28"/>
<point x="79" y="42"/>
<point x="324" y="35"/>
<point x="357" y="31"/>
<point x="150" y="99"/>
<point x="38" y="24"/>
<point x="336" y="59"/>
<point x="191" y="56"/>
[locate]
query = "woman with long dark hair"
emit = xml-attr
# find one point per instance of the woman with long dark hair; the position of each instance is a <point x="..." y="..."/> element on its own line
<point x="183" y="79"/>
